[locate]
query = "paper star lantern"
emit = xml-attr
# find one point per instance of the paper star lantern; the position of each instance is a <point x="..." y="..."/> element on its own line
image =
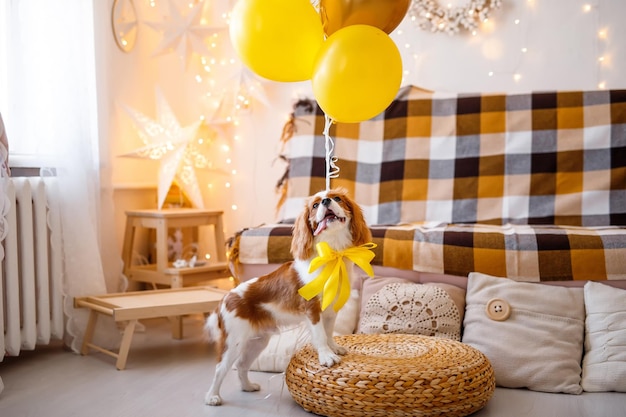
<point x="243" y="90"/>
<point x="184" y="34"/>
<point x="249" y="88"/>
<point x="178" y="149"/>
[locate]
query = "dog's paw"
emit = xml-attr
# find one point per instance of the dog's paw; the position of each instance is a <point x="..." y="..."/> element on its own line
<point x="328" y="358"/>
<point x="251" y="387"/>
<point x="212" y="399"/>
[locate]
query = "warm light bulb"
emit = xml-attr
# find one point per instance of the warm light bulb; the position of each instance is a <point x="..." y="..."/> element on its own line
<point x="587" y="8"/>
<point x="517" y="77"/>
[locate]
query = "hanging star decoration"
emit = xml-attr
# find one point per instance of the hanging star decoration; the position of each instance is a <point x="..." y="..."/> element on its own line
<point x="184" y="34"/>
<point x="247" y="89"/>
<point x="180" y="150"/>
<point x="243" y="90"/>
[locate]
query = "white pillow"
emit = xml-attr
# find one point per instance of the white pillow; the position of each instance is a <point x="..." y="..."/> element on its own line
<point x="604" y="363"/>
<point x="531" y="333"/>
<point x="277" y="354"/>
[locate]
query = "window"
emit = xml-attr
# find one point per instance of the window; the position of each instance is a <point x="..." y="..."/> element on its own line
<point x="18" y="67"/>
<point x="3" y="60"/>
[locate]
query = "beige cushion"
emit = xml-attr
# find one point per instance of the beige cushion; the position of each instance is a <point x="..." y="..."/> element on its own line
<point x="540" y="344"/>
<point x="411" y="309"/>
<point x="604" y="363"/>
<point x="371" y="286"/>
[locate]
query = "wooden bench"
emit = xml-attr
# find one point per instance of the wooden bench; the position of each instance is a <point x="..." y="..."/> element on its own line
<point x="133" y="306"/>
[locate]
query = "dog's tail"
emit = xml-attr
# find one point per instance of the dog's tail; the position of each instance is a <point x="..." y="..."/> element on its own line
<point x="212" y="327"/>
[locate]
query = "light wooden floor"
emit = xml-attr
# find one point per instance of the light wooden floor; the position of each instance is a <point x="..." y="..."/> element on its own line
<point x="169" y="378"/>
<point x="163" y="377"/>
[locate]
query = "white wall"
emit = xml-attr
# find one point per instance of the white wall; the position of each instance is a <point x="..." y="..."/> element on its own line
<point x="561" y="39"/>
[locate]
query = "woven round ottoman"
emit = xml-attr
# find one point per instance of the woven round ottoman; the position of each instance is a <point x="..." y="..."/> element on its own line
<point x="393" y="375"/>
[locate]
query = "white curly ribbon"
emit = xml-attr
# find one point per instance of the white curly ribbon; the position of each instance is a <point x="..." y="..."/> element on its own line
<point x="332" y="170"/>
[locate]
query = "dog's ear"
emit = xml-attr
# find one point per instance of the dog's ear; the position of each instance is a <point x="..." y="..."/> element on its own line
<point x="302" y="238"/>
<point x="361" y="234"/>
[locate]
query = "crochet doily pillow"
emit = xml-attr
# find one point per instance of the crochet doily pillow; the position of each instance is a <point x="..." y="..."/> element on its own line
<point x="412" y="309"/>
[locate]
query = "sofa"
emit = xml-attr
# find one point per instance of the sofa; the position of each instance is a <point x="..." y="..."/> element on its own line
<point x="505" y="214"/>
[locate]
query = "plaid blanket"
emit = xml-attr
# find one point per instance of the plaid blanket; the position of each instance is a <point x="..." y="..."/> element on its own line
<point x="520" y="252"/>
<point x="541" y="158"/>
<point x="527" y="186"/>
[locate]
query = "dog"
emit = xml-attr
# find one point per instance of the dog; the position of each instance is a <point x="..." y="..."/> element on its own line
<point x="249" y="314"/>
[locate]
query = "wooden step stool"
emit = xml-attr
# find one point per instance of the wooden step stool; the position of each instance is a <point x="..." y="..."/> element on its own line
<point x="163" y="272"/>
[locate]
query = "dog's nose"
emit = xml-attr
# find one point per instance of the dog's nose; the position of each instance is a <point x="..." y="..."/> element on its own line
<point x="326" y="202"/>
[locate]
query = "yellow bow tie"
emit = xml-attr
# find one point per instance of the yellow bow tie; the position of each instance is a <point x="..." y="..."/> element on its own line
<point x="333" y="280"/>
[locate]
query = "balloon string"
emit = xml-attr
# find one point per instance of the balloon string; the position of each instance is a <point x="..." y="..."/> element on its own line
<point x="332" y="170"/>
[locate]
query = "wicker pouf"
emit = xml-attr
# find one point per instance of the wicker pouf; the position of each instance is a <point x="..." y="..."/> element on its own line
<point x="393" y="375"/>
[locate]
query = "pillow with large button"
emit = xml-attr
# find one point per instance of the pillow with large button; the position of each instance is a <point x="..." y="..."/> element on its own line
<point x="604" y="364"/>
<point x="531" y="333"/>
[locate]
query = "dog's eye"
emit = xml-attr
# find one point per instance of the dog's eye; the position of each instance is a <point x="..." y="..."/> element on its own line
<point x="337" y="199"/>
<point x="316" y="205"/>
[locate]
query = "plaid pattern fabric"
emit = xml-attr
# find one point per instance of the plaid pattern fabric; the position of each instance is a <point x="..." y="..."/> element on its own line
<point x="526" y="186"/>
<point x="541" y="158"/>
<point x="519" y="252"/>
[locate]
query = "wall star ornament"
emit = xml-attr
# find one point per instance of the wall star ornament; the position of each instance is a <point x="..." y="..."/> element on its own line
<point x="430" y="15"/>
<point x="176" y="147"/>
<point x="184" y="34"/>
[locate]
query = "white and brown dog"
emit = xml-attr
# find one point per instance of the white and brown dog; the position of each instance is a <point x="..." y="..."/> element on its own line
<point x="249" y="314"/>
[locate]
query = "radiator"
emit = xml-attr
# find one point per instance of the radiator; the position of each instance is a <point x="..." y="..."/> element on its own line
<point x="31" y="303"/>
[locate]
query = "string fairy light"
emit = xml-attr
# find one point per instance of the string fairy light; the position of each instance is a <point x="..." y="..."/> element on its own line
<point x="218" y="64"/>
<point x="212" y="67"/>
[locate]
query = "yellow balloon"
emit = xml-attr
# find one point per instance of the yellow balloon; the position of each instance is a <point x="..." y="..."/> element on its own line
<point x="384" y="14"/>
<point x="357" y="73"/>
<point x="277" y="39"/>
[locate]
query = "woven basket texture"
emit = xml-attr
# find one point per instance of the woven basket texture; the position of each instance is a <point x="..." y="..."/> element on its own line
<point x="393" y="375"/>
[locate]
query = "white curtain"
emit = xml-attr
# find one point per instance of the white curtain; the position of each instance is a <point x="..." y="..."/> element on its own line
<point x="53" y="98"/>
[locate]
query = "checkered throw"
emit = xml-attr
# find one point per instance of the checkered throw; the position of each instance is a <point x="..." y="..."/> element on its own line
<point x="520" y="252"/>
<point x="527" y="186"/>
<point x="542" y="158"/>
